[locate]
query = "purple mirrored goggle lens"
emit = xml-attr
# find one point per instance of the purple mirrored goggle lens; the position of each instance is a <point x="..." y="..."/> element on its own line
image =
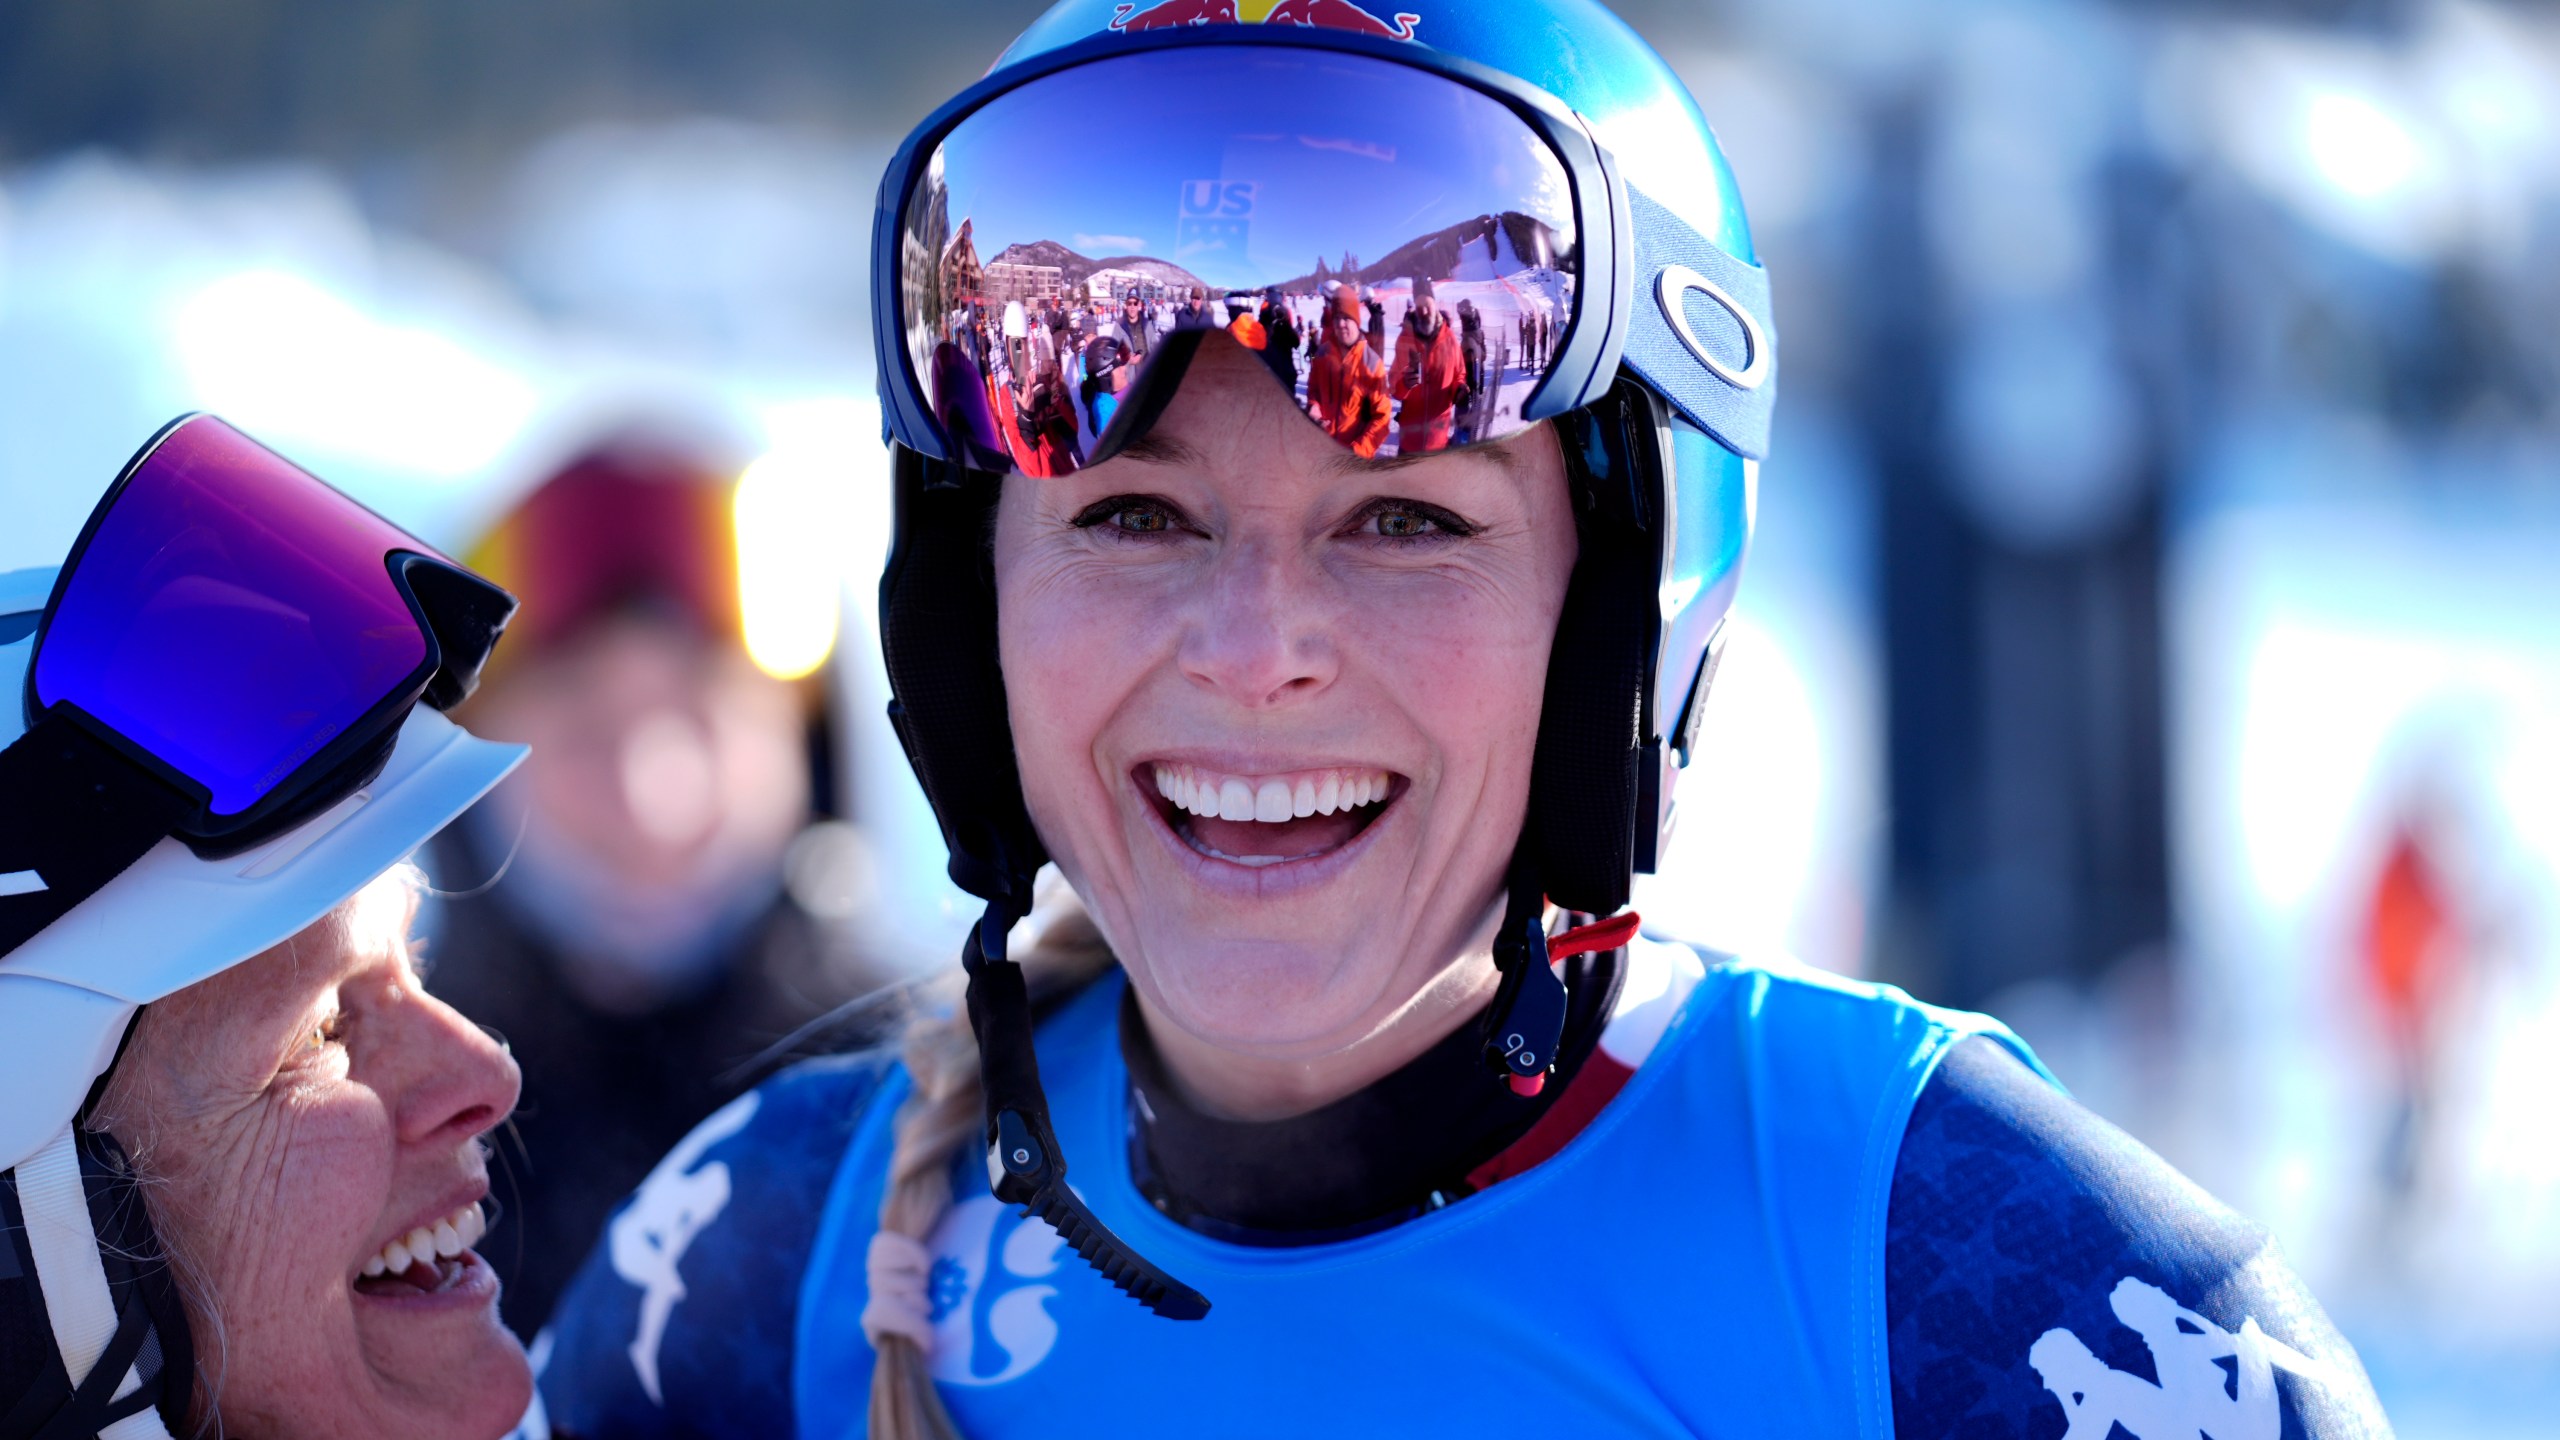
<point x="231" y="614"/>
<point x="1400" y="250"/>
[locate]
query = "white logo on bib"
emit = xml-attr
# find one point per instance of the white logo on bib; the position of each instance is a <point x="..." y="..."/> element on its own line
<point x="650" y="1235"/>
<point x="2196" y="1399"/>
<point x="989" y="1325"/>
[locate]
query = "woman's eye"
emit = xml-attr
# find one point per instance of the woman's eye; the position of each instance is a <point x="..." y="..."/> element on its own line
<point x="1410" y="520"/>
<point x="1130" y="515"/>
<point x="325" y="1033"/>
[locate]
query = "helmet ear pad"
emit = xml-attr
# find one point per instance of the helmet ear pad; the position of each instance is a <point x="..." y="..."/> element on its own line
<point x="1586" y="785"/>
<point x="938" y="638"/>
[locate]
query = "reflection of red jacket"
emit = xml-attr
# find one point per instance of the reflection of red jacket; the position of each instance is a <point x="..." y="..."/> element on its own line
<point x="1347" y="395"/>
<point x="1049" y="419"/>
<point x="1428" y="376"/>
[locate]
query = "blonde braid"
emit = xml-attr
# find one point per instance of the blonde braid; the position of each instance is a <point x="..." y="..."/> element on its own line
<point x="945" y="1117"/>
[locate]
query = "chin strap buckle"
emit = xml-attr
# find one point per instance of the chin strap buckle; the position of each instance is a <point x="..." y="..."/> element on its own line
<point x="1527" y="1018"/>
<point x="1529" y="1010"/>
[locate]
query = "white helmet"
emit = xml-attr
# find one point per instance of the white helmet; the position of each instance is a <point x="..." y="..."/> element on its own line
<point x="69" y="994"/>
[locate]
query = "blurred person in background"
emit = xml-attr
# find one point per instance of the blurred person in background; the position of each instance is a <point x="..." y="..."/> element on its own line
<point x="1135" y="329"/>
<point x="1430" y="374"/>
<point x="1346" y="386"/>
<point x="2428" y="939"/>
<point x="1280" y="351"/>
<point x="962" y="385"/>
<point x="623" y="918"/>
<point x="1194" y="314"/>
<point x="1248" y="331"/>
<point x="1045" y="414"/>
<point x="1107" y="367"/>
<point x="1471" y="350"/>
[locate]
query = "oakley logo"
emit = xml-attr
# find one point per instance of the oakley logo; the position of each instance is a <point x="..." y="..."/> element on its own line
<point x="1672" y="291"/>
<point x="21" y="882"/>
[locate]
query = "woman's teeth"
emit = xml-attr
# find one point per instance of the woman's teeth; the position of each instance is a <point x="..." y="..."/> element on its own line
<point x="441" y="1241"/>
<point x="1269" y="798"/>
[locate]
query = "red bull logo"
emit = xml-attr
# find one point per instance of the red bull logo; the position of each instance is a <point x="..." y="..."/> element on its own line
<point x="1311" y="14"/>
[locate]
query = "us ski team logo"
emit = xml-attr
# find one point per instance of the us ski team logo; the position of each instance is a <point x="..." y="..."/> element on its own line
<point x="991" y="1320"/>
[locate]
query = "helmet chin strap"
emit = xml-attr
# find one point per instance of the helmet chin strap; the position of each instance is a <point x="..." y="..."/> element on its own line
<point x="1025" y="1165"/>
<point x="115" y="1389"/>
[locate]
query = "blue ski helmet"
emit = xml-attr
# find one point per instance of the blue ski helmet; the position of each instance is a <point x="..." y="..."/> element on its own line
<point x="1671" y="317"/>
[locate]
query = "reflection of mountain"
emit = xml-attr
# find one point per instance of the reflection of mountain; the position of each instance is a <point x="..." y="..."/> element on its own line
<point x="1481" y="248"/>
<point x="1073" y="268"/>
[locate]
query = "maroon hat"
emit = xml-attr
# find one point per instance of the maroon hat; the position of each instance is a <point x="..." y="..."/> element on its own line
<point x="627" y="526"/>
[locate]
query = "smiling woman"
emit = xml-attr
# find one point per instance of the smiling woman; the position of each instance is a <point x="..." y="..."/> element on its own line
<point x="1311" y="622"/>
<point x="306" y="1130"/>
<point x="241" y="1149"/>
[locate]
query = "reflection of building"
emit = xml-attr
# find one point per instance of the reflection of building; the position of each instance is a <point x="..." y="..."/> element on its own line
<point x="1030" y="284"/>
<point x="963" y="278"/>
<point x="924" y="236"/>
<point x="1104" y="284"/>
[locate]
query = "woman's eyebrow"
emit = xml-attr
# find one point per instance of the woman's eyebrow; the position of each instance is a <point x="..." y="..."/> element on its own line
<point x="1347" y="463"/>
<point x="1157" y="448"/>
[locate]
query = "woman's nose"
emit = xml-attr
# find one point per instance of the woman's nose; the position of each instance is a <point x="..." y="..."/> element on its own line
<point x="458" y="1081"/>
<point x="1258" y="636"/>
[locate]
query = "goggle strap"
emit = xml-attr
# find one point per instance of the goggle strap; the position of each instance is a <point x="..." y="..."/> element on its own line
<point x="1725" y="378"/>
<point x="74" y="814"/>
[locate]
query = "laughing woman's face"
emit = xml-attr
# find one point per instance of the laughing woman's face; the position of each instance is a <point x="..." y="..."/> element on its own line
<point x="1275" y="706"/>
<point x="310" y="1123"/>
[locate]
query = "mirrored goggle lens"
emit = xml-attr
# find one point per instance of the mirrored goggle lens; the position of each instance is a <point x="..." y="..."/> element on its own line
<point x="231" y="614"/>
<point x="1399" y="249"/>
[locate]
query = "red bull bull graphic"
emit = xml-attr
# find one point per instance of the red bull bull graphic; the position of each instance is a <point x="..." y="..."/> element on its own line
<point x="1340" y="15"/>
<point x="1310" y="14"/>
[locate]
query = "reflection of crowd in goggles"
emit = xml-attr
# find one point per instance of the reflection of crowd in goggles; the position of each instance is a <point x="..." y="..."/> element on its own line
<point x="1034" y="387"/>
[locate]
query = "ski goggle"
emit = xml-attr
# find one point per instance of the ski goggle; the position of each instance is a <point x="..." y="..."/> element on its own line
<point x="249" y="635"/>
<point x="1422" y="260"/>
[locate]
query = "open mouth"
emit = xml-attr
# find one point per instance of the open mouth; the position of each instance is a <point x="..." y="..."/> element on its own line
<point x="429" y="1260"/>
<point x="1264" y="820"/>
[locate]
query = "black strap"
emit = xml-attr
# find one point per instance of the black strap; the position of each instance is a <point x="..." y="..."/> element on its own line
<point x="1026" y="1166"/>
<point x="93" y="1406"/>
<point x="76" y="814"/>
